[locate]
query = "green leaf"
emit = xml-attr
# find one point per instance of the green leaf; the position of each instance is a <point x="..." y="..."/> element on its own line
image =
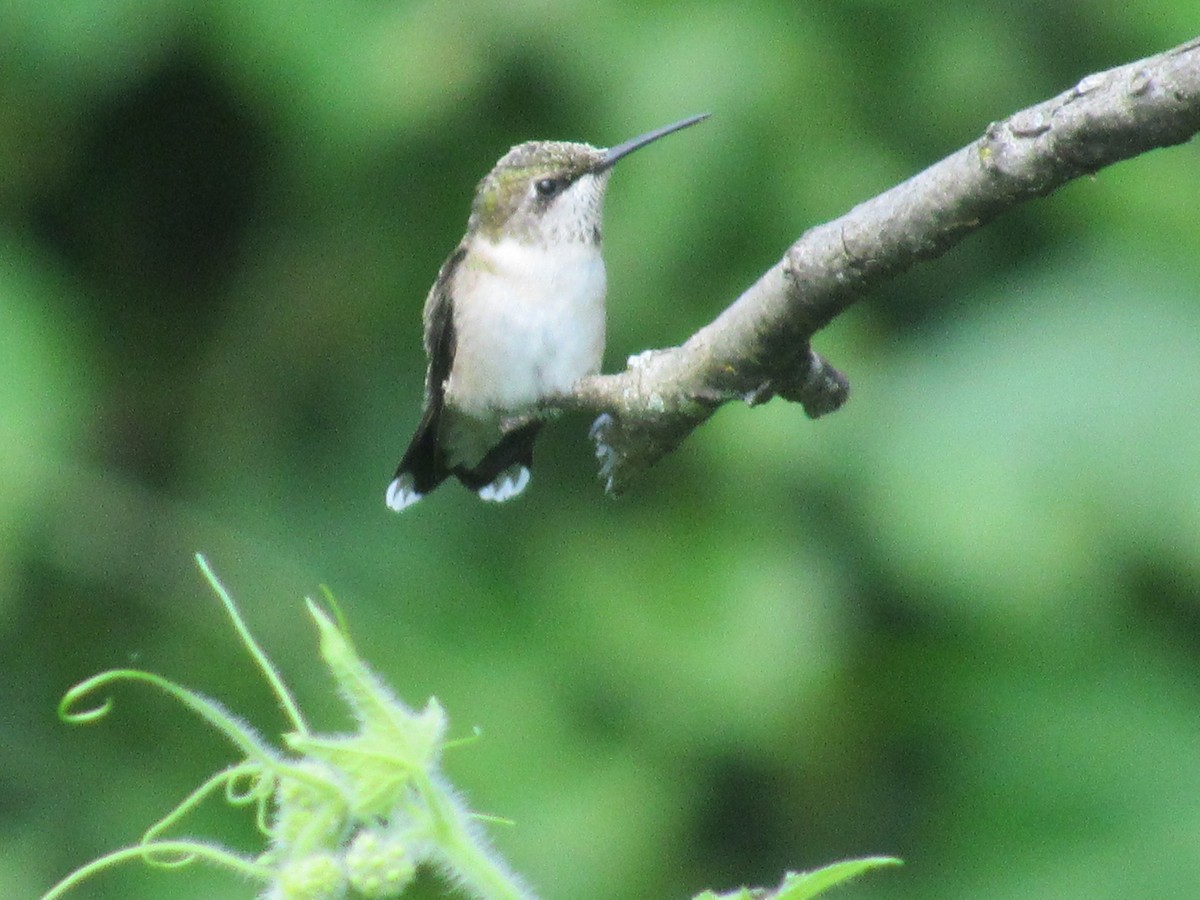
<point x="810" y="884"/>
<point x="804" y="885"/>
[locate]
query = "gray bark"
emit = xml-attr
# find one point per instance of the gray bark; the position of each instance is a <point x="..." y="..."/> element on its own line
<point x="759" y="347"/>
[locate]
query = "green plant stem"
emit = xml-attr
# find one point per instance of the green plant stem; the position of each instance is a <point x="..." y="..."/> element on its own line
<point x="286" y="701"/>
<point x="206" y="852"/>
<point x="465" y="855"/>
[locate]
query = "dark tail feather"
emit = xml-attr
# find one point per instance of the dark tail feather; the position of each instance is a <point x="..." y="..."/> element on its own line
<point x="423" y="467"/>
<point x="515" y="448"/>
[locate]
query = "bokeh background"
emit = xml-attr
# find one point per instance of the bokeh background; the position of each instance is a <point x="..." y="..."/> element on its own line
<point x="957" y="622"/>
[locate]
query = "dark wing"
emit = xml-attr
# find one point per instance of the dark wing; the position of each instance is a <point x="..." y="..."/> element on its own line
<point x="439" y="328"/>
<point x="424" y="462"/>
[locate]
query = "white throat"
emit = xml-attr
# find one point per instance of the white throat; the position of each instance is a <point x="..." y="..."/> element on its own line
<point x="529" y="322"/>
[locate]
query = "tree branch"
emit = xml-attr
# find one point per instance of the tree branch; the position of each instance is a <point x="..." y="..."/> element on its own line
<point x="759" y="346"/>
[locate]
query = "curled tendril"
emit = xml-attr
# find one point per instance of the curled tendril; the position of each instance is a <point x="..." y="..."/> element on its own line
<point x="259" y="783"/>
<point x="87" y="716"/>
<point x="240" y="734"/>
<point x="158" y="856"/>
<point x="475" y="735"/>
<point x="226" y="779"/>
<point x="76" y="695"/>
<point x="309" y="804"/>
<point x="195" y="850"/>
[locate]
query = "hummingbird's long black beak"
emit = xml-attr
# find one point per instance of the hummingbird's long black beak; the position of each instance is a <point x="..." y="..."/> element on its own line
<point x="612" y="154"/>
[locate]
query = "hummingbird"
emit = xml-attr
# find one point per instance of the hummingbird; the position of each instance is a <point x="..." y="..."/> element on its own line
<point x="516" y="315"/>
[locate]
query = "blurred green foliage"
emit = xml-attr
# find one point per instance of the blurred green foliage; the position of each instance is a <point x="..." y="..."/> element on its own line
<point x="957" y="622"/>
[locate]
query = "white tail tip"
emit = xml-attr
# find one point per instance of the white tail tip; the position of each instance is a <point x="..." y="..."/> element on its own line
<point x="507" y="485"/>
<point x="401" y="493"/>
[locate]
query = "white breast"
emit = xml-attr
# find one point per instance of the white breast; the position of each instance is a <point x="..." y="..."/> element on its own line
<point x="529" y="321"/>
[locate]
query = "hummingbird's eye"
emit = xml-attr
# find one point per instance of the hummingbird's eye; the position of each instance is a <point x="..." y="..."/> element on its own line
<point x="548" y="187"/>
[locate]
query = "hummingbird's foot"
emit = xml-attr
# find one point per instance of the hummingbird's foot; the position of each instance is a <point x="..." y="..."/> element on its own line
<point x="605" y="453"/>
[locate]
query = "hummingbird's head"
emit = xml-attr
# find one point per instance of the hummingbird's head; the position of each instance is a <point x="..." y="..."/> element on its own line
<point x="552" y="192"/>
<point x="542" y="192"/>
